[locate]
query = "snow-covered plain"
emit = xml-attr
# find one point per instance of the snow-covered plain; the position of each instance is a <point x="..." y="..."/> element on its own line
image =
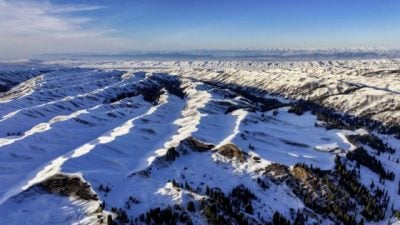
<point x="94" y="120"/>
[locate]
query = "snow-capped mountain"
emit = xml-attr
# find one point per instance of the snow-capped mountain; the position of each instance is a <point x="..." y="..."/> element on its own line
<point x="200" y="142"/>
<point x="272" y="54"/>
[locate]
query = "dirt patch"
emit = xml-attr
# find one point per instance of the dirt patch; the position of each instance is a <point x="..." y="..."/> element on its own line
<point x="301" y="174"/>
<point x="231" y="151"/>
<point x="66" y="185"/>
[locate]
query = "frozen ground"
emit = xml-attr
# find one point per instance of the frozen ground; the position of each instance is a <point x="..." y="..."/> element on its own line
<point x="114" y="124"/>
<point x="366" y="88"/>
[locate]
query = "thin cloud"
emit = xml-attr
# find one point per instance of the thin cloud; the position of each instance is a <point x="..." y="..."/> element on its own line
<point x="76" y="8"/>
<point x="28" y="28"/>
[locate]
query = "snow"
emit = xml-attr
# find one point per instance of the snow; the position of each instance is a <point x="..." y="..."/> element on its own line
<point x="287" y="139"/>
<point x="356" y="87"/>
<point x="61" y="122"/>
<point x="188" y="122"/>
<point x="240" y="114"/>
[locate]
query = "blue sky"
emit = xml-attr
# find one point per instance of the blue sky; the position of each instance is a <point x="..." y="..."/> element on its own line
<point x="38" y="26"/>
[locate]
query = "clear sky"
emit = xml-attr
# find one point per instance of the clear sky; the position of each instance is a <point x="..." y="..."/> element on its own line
<point x="30" y="27"/>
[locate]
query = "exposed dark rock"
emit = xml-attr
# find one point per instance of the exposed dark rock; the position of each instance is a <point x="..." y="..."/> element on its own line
<point x="196" y="145"/>
<point x="296" y="109"/>
<point x="68" y="185"/>
<point x="151" y="94"/>
<point x="276" y="172"/>
<point x="171" y="154"/>
<point x="232" y="108"/>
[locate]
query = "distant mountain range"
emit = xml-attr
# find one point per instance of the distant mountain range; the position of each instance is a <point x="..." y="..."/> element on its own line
<point x="265" y="54"/>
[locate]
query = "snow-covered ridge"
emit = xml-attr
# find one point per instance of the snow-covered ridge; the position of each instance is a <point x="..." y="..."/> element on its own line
<point x="362" y="88"/>
<point x="147" y="135"/>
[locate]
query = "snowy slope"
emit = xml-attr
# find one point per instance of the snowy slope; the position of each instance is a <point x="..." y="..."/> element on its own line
<point x="363" y="88"/>
<point x="161" y="138"/>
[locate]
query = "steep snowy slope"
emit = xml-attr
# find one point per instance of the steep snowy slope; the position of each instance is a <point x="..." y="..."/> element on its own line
<point x="187" y="143"/>
<point x="362" y="88"/>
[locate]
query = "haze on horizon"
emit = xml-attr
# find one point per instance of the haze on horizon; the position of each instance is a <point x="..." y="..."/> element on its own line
<point x="31" y="27"/>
